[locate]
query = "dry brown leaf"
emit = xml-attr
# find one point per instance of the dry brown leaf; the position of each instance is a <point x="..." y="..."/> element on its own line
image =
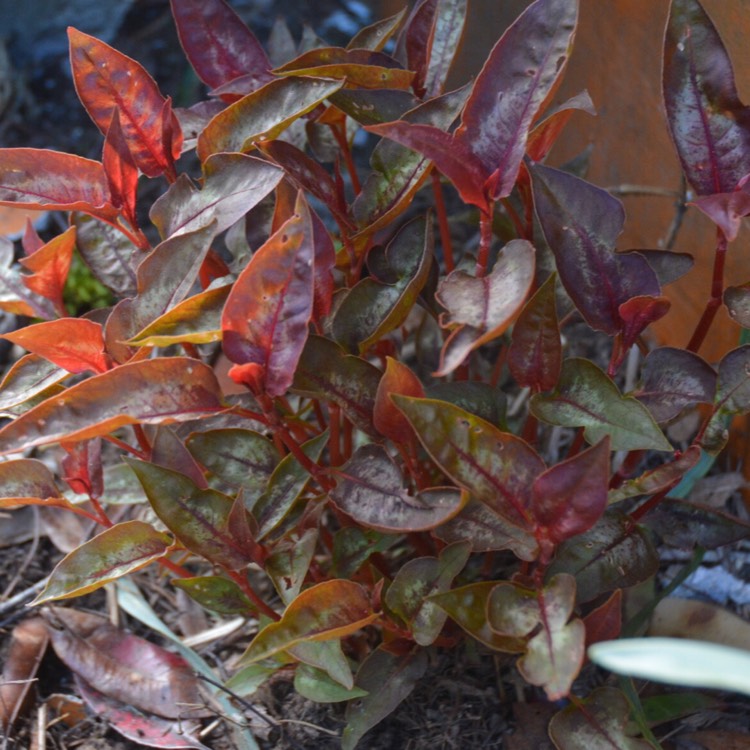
<point x="125" y="667"/>
<point x="28" y="643"/>
<point x="689" y="618"/>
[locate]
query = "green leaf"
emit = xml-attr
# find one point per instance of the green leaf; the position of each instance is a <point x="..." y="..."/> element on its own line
<point x="154" y="391"/>
<point x="217" y="594"/>
<point x="598" y="722"/>
<point x="326" y="371"/>
<point x="497" y="467"/>
<point x="328" y="656"/>
<point x="388" y="679"/>
<point x="289" y="562"/>
<point x="480" y="309"/>
<point x="241" y="458"/>
<point x="419" y="579"/>
<point x="371" y="491"/>
<point x="468" y="607"/>
<point x="613" y="554"/>
<point x="263" y="115"/>
<point x="117" y="551"/>
<point x="316" y="685"/>
<point x="555" y="652"/>
<point x="353" y="546"/>
<point x="380" y="303"/>
<point x="196" y="320"/>
<point x="199" y="518"/>
<point x="285" y="485"/>
<point x="248" y="680"/>
<point x="329" y="610"/>
<point x="586" y="397"/>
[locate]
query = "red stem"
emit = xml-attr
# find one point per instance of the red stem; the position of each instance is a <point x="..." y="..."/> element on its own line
<point x="485" y="242"/>
<point x="339" y="132"/>
<point x="442" y="216"/>
<point x="717" y="291"/>
<point x="248" y="590"/>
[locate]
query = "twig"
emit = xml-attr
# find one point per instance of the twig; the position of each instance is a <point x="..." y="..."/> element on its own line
<point x="10" y="604"/>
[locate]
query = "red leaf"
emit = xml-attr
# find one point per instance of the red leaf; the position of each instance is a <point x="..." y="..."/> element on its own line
<point x="218" y="44"/>
<point x="121" y="170"/>
<point x="709" y="124"/>
<point x="50" y="180"/>
<point x="50" y="265"/>
<point x="106" y="80"/>
<point x="418" y="41"/>
<point x="83" y="467"/>
<point x="726" y="210"/>
<point x="123" y="666"/>
<point x="453" y="158"/>
<point x="605" y="622"/>
<point x="637" y="314"/>
<point x="388" y="419"/>
<point x="522" y="69"/>
<point x="266" y="315"/>
<point x="570" y="497"/>
<point x="31" y="241"/>
<point x="544" y="135"/>
<point x="75" y="344"/>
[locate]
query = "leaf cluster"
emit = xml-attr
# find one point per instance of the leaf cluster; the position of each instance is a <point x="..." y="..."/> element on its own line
<point x="357" y="483"/>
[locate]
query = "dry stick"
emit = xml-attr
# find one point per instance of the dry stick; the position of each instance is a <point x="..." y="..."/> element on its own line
<point x="717" y="291"/>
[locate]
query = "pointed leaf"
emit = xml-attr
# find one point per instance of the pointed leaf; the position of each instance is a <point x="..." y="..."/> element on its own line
<point x="380" y="303"/>
<point x="356" y="67"/>
<point x="232" y="185"/>
<point x="497" y="467"/>
<point x="663" y="477"/>
<point x="709" y="125"/>
<point x="121" y="169"/>
<point x="285" y="486"/>
<point x="535" y="353"/>
<point x="419" y="579"/>
<point x="263" y="114"/>
<point x="316" y="685"/>
<point x="76" y="344"/>
<point x="468" y="607"/>
<point x="480" y="309"/>
<point x="265" y="319"/>
<point x="217" y="42"/>
<point x="326" y="371"/>
<point x="520" y="72"/>
<point x="388" y="420"/>
<point x="29" y="377"/>
<point x="673" y="379"/>
<point x="570" y="497"/>
<point x="199" y="518"/>
<point x="398" y="172"/>
<point x="49" y="180"/>
<point x="637" y="314"/>
<point x="154" y="391"/>
<point x="613" y="554"/>
<point x="487" y="531"/>
<point x="388" y="679"/>
<point x="15" y="296"/>
<point x="327" y="656"/>
<point x="196" y="320"/>
<point x="586" y="397"/>
<point x="599" y="722"/>
<point x="105" y="79"/>
<point x="726" y="210"/>
<point x="289" y="562"/>
<point x="108" y="253"/>
<point x="545" y="133"/>
<point x="123" y="666"/>
<point x="144" y="728"/>
<point x="581" y="224"/>
<point x="732" y="396"/>
<point x="115" y="552"/>
<point x="217" y="594"/>
<point x="329" y="610"/>
<point x="241" y="458"/>
<point x="49" y="265"/>
<point x="376" y="35"/>
<point x="371" y="490"/>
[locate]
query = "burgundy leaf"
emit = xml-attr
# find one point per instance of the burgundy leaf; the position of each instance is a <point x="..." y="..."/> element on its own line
<point x="217" y="42"/>
<point x="709" y="125"/>
<point x="121" y="170"/>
